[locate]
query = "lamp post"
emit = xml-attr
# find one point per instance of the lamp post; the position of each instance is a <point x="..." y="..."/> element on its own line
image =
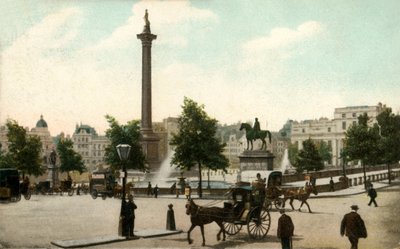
<point x="123" y="153"/>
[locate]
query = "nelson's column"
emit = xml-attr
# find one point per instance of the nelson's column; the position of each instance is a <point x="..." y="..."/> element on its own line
<point x="149" y="140"/>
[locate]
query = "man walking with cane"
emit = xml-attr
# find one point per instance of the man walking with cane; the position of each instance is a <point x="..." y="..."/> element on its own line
<point x="285" y="230"/>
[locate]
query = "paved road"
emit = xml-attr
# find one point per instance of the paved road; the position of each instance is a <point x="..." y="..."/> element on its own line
<point x="37" y="222"/>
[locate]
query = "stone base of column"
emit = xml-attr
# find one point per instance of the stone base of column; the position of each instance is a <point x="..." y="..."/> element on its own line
<point x="150" y="146"/>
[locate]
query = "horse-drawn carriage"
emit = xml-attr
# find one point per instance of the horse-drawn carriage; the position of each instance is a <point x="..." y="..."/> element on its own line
<point x="44" y="187"/>
<point x="273" y="191"/>
<point x="10" y="187"/>
<point x="247" y="208"/>
<point x="244" y="208"/>
<point x="65" y="186"/>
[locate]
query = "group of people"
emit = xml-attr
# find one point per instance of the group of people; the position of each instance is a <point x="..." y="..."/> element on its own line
<point x="152" y="191"/>
<point x="352" y="224"/>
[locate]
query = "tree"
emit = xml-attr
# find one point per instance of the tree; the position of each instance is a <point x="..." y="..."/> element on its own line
<point x="24" y="150"/>
<point x="196" y="142"/>
<point x="5" y="159"/>
<point x="361" y="143"/>
<point x="124" y="134"/>
<point x="293" y="151"/>
<point x="325" y="151"/>
<point x="308" y="158"/>
<point x="388" y="127"/>
<point x="69" y="159"/>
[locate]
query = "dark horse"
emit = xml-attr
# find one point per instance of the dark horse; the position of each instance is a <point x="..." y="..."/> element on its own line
<point x="253" y="135"/>
<point x="200" y="216"/>
<point x="301" y="194"/>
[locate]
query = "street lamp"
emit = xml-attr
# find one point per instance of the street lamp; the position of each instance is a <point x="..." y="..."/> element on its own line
<point x="123" y="153"/>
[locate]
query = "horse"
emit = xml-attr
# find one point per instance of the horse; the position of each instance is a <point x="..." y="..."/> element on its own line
<point x="200" y="216"/>
<point x="301" y="194"/>
<point x="251" y="135"/>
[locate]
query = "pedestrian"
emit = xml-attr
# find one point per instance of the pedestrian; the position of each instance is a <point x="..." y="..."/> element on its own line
<point x="171" y="218"/>
<point x="285" y="230"/>
<point x="155" y="191"/>
<point x="172" y="189"/>
<point x="128" y="217"/>
<point x="331" y="185"/>
<point x="78" y="190"/>
<point x="372" y="194"/>
<point x="353" y="227"/>
<point x="149" y="189"/>
<point x="188" y="191"/>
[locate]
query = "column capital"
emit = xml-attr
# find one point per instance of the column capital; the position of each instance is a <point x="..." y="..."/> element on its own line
<point x="146" y="37"/>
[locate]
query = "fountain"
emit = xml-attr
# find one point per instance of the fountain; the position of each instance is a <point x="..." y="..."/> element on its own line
<point x="285" y="164"/>
<point x="163" y="177"/>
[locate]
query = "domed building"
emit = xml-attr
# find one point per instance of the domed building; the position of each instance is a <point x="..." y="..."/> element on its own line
<point x="41" y="130"/>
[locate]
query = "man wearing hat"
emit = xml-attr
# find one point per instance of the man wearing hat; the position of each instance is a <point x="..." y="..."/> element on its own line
<point x="285" y="230"/>
<point x="353" y="226"/>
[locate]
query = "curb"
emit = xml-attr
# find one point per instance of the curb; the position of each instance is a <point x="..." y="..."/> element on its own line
<point x="149" y="233"/>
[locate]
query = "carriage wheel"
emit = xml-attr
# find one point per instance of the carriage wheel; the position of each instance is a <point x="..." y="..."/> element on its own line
<point x="94" y="194"/>
<point x="258" y="222"/>
<point x="71" y="192"/>
<point x="278" y="203"/>
<point x="232" y="228"/>
<point x="27" y="195"/>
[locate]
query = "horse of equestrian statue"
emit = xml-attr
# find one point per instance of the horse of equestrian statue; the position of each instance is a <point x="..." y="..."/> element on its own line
<point x="252" y="135"/>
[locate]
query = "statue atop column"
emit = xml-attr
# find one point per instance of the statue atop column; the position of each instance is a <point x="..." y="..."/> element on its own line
<point x="146" y="28"/>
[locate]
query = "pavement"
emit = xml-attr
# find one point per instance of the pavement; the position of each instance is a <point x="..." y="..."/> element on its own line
<point x="149" y="233"/>
<point x="145" y="233"/>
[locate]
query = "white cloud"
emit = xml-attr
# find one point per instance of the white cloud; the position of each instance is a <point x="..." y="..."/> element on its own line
<point x="283" y="37"/>
<point x="38" y="78"/>
<point x="278" y="45"/>
<point x="168" y="16"/>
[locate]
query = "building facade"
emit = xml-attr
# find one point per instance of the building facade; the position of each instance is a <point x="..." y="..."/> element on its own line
<point x="332" y="131"/>
<point x="90" y="146"/>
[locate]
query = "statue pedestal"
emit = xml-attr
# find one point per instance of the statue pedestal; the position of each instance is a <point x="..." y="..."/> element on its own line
<point x="261" y="160"/>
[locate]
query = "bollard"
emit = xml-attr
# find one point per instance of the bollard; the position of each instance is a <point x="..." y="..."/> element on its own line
<point x="170" y="218"/>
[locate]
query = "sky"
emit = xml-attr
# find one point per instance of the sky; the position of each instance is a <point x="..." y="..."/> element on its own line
<point x="76" y="61"/>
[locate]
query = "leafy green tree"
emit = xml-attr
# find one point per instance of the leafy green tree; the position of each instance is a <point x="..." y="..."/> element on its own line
<point x="70" y="160"/>
<point x="361" y="143"/>
<point x="196" y="143"/>
<point x="388" y="127"/>
<point x="308" y="158"/>
<point x="124" y="134"/>
<point x="5" y="159"/>
<point x="325" y="151"/>
<point x="293" y="151"/>
<point x="24" y="150"/>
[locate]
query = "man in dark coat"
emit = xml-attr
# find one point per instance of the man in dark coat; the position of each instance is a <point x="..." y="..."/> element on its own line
<point x="128" y="216"/>
<point x="149" y="190"/>
<point x="372" y="194"/>
<point x="285" y="230"/>
<point x="353" y="226"/>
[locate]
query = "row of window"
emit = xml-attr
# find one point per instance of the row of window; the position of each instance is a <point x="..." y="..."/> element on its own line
<point x="344" y="127"/>
<point x="354" y="115"/>
<point x="84" y="139"/>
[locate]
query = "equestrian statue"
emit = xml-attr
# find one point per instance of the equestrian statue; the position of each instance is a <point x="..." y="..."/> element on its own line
<point x="255" y="133"/>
